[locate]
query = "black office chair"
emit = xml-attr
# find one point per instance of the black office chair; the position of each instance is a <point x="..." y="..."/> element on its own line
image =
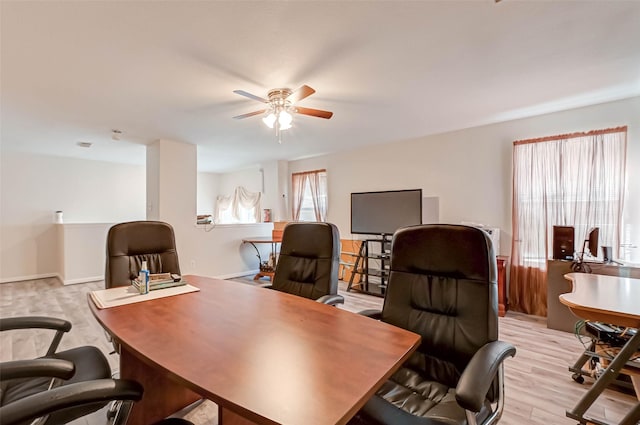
<point x="308" y="262"/>
<point x="131" y="243"/>
<point x="62" y="404"/>
<point x="62" y="386"/>
<point x="443" y="286"/>
<point x="87" y="364"/>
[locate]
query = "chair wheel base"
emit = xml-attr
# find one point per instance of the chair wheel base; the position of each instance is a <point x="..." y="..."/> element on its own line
<point x="578" y="378"/>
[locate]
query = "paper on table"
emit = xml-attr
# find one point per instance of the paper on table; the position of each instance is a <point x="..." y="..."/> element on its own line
<point x="123" y="295"/>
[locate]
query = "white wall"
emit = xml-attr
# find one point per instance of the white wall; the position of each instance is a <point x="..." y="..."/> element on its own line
<point x="249" y="178"/>
<point x="470" y="170"/>
<point x="82" y="248"/>
<point x="32" y="187"/>
<point x="267" y="178"/>
<point x="208" y="191"/>
<point x="220" y="251"/>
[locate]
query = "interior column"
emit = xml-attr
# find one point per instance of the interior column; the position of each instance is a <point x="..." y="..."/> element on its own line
<point x="172" y="190"/>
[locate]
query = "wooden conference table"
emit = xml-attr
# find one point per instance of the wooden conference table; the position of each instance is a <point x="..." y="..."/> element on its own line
<point x="614" y="300"/>
<point x="262" y="356"/>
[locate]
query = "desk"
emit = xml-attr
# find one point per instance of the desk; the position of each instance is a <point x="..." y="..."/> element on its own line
<point x="263" y="356"/>
<point x="559" y="317"/>
<point x="260" y="240"/>
<point x="608" y="299"/>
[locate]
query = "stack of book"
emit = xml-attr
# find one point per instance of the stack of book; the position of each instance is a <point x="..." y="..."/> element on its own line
<point x="160" y="281"/>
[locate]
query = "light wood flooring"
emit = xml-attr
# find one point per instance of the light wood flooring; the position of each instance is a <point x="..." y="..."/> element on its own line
<point x="538" y="385"/>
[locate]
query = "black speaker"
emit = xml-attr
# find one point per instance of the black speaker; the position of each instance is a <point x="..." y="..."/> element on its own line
<point x="563" y="246"/>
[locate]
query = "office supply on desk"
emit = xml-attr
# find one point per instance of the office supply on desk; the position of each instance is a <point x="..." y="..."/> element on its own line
<point x="443" y="285"/>
<point x="309" y="261"/>
<point x="123" y="295"/>
<point x="608" y="299"/>
<point x="160" y="281"/>
<point x="247" y="349"/>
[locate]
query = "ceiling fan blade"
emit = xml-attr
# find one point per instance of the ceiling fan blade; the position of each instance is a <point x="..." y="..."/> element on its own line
<point x="301" y="93"/>
<point x="250" y="96"/>
<point x="250" y="114"/>
<point x="314" y="112"/>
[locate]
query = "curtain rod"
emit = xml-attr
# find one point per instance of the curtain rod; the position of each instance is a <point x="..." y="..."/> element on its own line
<point x="571" y="135"/>
<point x="310" y="172"/>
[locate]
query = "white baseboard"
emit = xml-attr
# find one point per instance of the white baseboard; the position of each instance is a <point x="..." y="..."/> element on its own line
<point x="31" y="277"/>
<point x="82" y="280"/>
<point x="97" y="278"/>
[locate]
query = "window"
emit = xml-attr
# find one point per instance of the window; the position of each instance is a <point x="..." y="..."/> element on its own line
<point x="570" y="180"/>
<point x="309" y="195"/>
<point x="242" y="207"/>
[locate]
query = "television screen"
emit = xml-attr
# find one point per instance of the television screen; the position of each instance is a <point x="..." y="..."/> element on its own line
<point x="374" y="213"/>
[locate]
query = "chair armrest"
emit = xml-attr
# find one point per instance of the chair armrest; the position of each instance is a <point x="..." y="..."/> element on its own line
<point x="38" y="322"/>
<point x="479" y="374"/>
<point x="331" y="299"/>
<point x="34" y="322"/>
<point x="81" y="393"/>
<point x="44" y="367"/>
<point x="374" y="314"/>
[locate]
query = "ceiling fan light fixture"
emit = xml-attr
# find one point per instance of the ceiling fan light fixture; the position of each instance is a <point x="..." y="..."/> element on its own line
<point x="269" y="120"/>
<point x="284" y="120"/>
<point x="280" y="107"/>
<point x="285" y="127"/>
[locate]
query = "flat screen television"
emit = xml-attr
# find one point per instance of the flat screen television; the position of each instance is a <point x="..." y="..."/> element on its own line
<point x="376" y="213"/>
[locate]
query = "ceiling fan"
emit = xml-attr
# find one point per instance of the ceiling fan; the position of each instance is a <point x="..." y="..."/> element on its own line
<point x="281" y="105"/>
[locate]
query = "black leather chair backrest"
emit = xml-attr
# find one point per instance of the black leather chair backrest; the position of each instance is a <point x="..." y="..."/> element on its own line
<point x="131" y="243"/>
<point x="443" y="286"/>
<point x="309" y="260"/>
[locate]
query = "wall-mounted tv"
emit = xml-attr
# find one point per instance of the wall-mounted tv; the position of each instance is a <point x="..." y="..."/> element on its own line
<point x="375" y="213"/>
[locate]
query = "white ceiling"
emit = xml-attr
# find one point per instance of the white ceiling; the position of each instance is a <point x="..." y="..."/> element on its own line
<point x="71" y="71"/>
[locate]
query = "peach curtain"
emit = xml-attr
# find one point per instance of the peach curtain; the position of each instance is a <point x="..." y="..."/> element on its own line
<point x="317" y="181"/>
<point x="569" y="180"/>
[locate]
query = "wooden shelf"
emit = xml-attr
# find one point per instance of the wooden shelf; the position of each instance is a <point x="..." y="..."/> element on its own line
<point x="503" y="305"/>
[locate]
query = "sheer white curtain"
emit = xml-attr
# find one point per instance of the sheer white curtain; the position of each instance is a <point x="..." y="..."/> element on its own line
<point x="246" y="200"/>
<point x="570" y="180"/>
<point x="241" y="207"/>
<point x="223" y="208"/>
<point x="318" y="188"/>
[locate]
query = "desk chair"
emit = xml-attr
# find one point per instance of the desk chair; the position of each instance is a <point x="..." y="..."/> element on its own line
<point x="49" y="406"/>
<point x="62" y="386"/>
<point x="131" y="243"/>
<point x="308" y="262"/>
<point x="87" y="364"/>
<point x="443" y="286"/>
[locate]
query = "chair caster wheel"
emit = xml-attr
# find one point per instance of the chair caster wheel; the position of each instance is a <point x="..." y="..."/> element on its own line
<point x="578" y="378"/>
<point x="114" y="406"/>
